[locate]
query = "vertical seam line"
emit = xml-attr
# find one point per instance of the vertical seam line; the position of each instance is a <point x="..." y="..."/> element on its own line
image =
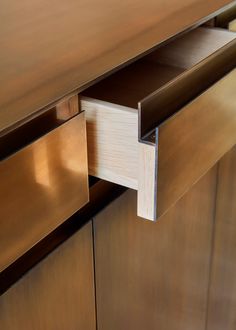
<point x="211" y="257"/>
<point x="94" y="274"/>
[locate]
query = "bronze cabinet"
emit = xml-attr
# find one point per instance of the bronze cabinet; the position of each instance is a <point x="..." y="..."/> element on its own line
<point x="163" y="124"/>
<point x="58" y="293"/>
<point x="175" y="274"/>
<point x="222" y="293"/>
<point x="155" y="275"/>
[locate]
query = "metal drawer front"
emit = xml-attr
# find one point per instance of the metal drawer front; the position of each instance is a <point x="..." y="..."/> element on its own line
<point x="41" y="186"/>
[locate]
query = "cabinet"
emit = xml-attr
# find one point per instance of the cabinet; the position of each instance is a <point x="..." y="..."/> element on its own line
<point x="58" y="294"/>
<point x="174" y="274"/>
<point x="160" y="117"/>
<point x="177" y="273"/>
<point x="155" y="275"/>
<point x="222" y="298"/>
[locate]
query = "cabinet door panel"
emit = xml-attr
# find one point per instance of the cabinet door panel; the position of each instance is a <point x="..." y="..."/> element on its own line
<point x="58" y="293"/>
<point x="222" y="299"/>
<point x="155" y="275"/>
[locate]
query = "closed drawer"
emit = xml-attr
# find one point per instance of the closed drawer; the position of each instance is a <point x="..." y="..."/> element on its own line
<point x="161" y="123"/>
<point x="42" y="184"/>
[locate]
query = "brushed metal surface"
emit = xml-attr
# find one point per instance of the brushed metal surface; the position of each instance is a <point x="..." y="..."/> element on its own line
<point x="194" y="139"/>
<point x="41" y="186"/>
<point x="58" y="294"/>
<point x="164" y="102"/>
<point x="225" y="17"/>
<point x="155" y="275"/>
<point x="222" y="293"/>
<point x="101" y="194"/>
<point x="49" y="49"/>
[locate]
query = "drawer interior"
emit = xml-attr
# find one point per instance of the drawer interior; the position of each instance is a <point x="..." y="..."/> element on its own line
<point x="137" y="81"/>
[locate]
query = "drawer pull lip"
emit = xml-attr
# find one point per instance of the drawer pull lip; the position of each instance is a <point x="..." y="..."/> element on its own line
<point x="186" y="86"/>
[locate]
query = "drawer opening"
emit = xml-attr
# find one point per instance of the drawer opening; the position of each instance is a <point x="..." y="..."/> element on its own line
<point x="132" y="114"/>
<point x="195" y="59"/>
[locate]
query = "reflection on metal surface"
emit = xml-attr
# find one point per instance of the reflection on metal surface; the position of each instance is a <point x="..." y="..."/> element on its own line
<point x="65" y="152"/>
<point x="42" y="175"/>
<point x="41" y="186"/>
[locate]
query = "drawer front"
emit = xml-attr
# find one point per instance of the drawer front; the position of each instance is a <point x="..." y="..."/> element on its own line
<point x="41" y="186"/>
<point x="188" y="145"/>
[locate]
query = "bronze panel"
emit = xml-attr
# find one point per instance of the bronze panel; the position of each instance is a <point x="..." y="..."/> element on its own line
<point x="58" y="293"/>
<point x="155" y="275"/>
<point x="165" y="102"/>
<point x="41" y="186"/>
<point x="222" y="298"/>
<point x="193" y="140"/>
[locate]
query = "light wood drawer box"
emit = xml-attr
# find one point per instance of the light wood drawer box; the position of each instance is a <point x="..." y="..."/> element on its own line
<point x="42" y="184"/>
<point x="161" y="123"/>
<point x="232" y="25"/>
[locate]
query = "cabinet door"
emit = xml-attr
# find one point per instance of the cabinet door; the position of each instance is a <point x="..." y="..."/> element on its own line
<point x="222" y="299"/>
<point x="58" y="294"/>
<point x="155" y="275"/>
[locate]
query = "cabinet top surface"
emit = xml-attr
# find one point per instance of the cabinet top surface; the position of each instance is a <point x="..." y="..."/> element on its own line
<point x="49" y="49"/>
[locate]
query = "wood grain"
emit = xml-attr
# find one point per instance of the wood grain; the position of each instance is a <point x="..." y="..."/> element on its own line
<point x="155" y="275"/>
<point x="147" y="181"/>
<point x="56" y="294"/>
<point x="222" y="298"/>
<point x="41" y="186"/>
<point x="232" y="26"/>
<point x="49" y="50"/>
<point x="112" y="141"/>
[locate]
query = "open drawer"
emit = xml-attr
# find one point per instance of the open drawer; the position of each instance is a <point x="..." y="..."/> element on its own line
<point x="44" y="182"/>
<point x="227" y="19"/>
<point x="161" y="123"/>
